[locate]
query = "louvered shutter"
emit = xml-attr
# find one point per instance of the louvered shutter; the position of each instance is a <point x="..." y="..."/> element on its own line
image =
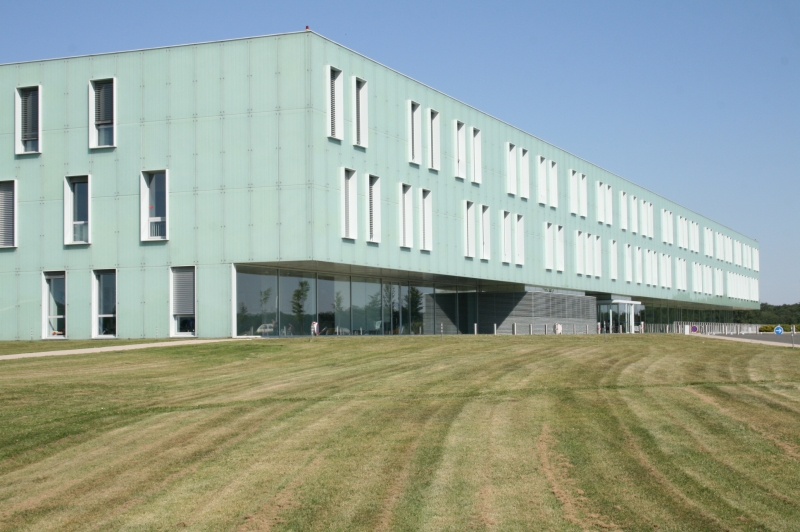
<point x="29" y="107"/>
<point x="104" y="102"/>
<point x="183" y="291"/>
<point x="7" y="214"/>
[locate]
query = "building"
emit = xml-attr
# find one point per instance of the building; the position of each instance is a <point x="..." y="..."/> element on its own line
<point x="252" y="186"/>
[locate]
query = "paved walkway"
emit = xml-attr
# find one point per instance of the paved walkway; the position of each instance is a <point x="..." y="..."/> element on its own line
<point x="109" y="348"/>
<point x="783" y="342"/>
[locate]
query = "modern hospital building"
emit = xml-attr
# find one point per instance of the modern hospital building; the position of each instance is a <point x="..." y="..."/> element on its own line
<point x="252" y="186"/>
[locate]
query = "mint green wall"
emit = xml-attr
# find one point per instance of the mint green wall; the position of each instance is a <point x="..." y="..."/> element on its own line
<point x="241" y="126"/>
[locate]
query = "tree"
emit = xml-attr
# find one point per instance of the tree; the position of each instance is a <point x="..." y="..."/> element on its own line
<point x="299" y="297"/>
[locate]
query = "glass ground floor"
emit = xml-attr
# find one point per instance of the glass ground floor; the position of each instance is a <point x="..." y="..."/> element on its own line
<point x="273" y="301"/>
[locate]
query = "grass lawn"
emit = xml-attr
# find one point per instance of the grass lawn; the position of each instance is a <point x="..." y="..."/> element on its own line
<point x="461" y="433"/>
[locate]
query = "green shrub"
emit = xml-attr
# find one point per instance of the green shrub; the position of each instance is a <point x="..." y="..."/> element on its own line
<point x="771" y="328"/>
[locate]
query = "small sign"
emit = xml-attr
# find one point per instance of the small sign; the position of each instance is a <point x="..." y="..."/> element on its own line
<point x="778" y="330"/>
<point x="694" y="328"/>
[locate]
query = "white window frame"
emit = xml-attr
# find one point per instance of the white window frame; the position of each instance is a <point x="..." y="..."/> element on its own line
<point x="406" y="212"/>
<point x="349" y="204"/>
<point x="486" y="233"/>
<point x="588" y="255"/>
<point x="45" y="305"/>
<point x="434" y="146"/>
<point x="144" y="206"/>
<point x="612" y="260"/>
<point x="96" y="302"/>
<point x="634" y="211"/>
<point x="414" y="127"/>
<point x="580" y="248"/>
<point x="600" y="202"/>
<point x="574" y="194"/>
<point x="333" y="102"/>
<point x="15" y="216"/>
<point x="524" y="174"/>
<point x="623" y="210"/>
<point x="460" y="148"/>
<point x="549" y="246"/>
<point x="541" y="179"/>
<point x="584" y="196"/>
<point x="609" y="201"/>
<point x="559" y="247"/>
<point x="650" y="221"/>
<point x="511" y="168"/>
<point x="173" y="328"/>
<point x="426" y="219"/>
<point x="93" y="141"/>
<point x="19" y="147"/>
<point x="628" y="263"/>
<point x="477" y="155"/>
<point x="469" y="229"/>
<point x="598" y="256"/>
<point x="638" y="267"/>
<point x="69" y="202"/>
<point x="519" y="245"/>
<point x="552" y="184"/>
<point x="505" y="230"/>
<point x="360" y="112"/>
<point x="375" y="237"/>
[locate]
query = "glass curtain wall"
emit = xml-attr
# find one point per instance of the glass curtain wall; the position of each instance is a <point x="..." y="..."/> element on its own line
<point x="333" y="300"/>
<point x="272" y="302"/>
<point x="366" y="305"/>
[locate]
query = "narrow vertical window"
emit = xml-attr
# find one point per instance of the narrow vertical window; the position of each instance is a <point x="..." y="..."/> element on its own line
<point x="406" y="222"/>
<point x="520" y="240"/>
<point x="433" y="146"/>
<point x="426" y="218"/>
<point x="756" y="260"/>
<point x="579" y="249"/>
<point x="541" y="180"/>
<point x="55" y="305"/>
<point x="477" y="161"/>
<point x="524" y="174"/>
<point x="349" y="204"/>
<point x="8" y="214"/>
<point x="588" y="255"/>
<point x="574" y="194"/>
<point x="623" y="210"/>
<point x="552" y="184"/>
<point x="584" y="196"/>
<point x="360" y="113"/>
<point x="77" y="210"/>
<point x="414" y="136"/>
<point x="373" y="208"/>
<point x="634" y="215"/>
<point x="598" y="256"/>
<point x="559" y="250"/>
<point x="612" y="260"/>
<point x="183" y="301"/>
<point x="511" y="168"/>
<point x="102" y="113"/>
<point x="549" y="245"/>
<point x="506" y="229"/>
<point x="609" y="201"/>
<point x="154" y="196"/>
<point x="28" y="120"/>
<point x="460" y="148"/>
<point x="486" y="228"/>
<point x="650" y="221"/>
<point x="628" y="263"/>
<point x="105" y="325"/>
<point x="638" y="265"/>
<point x="469" y="229"/>
<point x="334" y="97"/>
<point x="600" y="202"/>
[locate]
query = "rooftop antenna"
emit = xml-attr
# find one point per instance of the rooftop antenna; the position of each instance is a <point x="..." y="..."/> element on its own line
<point x="307" y="28"/>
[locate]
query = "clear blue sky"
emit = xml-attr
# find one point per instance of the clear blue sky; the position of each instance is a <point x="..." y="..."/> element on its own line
<point x="697" y="101"/>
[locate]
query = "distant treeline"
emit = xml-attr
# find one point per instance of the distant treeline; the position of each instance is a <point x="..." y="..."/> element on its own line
<point x="769" y="314"/>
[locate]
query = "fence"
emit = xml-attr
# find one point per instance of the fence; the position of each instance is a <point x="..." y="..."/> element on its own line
<point x="708" y="328"/>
